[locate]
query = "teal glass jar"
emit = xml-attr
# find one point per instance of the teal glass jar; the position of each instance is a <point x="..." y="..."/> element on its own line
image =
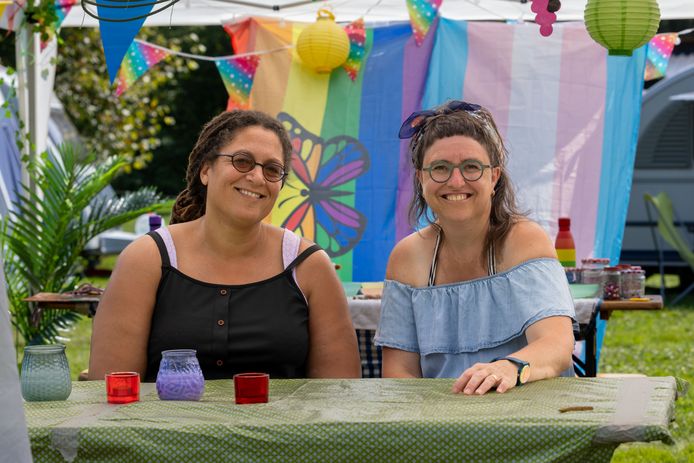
<point x="45" y="373"/>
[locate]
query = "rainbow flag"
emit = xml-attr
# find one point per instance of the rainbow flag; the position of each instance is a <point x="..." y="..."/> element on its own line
<point x="237" y="75"/>
<point x="351" y="181"/>
<point x="568" y="112"/>
<point x="658" y="55"/>
<point x="422" y="15"/>
<point x="140" y="57"/>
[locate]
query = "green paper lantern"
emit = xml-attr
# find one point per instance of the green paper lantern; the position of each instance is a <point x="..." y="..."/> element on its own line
<point x="621" y="26"/>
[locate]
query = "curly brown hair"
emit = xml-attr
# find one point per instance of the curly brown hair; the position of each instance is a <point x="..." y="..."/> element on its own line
<point x="190" y="203"/>
<point x="480" y="126"/>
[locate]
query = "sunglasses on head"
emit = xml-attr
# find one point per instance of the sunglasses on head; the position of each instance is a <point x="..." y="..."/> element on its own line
<point x="414" y="123"/>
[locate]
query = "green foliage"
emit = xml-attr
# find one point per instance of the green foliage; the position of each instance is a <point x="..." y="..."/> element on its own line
<point x="655" y="344"/>
<point x="43" y="239"/>
<point x="42" y="18"/>
<point x="129" y="125"/>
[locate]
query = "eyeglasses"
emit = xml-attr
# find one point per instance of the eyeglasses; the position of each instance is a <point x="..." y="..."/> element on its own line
<point x="441" y="171"/>
<point x="272" y="171"/>
<point x="415" y="122"/>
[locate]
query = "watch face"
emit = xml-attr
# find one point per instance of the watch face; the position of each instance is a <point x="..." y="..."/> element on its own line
<point x="524" y="374"/>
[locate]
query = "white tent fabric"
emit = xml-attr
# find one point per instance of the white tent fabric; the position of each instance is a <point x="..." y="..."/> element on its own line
<point x="209" y="12"/>
<point x="14" y="440"/>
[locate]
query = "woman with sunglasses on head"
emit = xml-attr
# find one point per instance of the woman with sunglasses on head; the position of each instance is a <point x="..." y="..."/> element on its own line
<point x="248" y="296"/>
<point x="478" y="294"/>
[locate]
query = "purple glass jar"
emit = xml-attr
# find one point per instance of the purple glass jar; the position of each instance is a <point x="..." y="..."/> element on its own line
<point x="180" y="376"/>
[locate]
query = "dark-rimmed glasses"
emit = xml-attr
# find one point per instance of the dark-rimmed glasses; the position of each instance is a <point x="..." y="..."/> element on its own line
<point x="244" y="163"/>
<point x="441" y="171"/>
<point x="415" y="122"/>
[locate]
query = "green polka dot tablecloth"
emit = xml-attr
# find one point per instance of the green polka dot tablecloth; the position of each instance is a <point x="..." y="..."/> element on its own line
<point x="369" y="420"/>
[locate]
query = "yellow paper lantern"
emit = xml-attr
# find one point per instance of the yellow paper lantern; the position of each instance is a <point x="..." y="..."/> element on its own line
<point x="323" y="45"/>
<point x="621" y="26"/>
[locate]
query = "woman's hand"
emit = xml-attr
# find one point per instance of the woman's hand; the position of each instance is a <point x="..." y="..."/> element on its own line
<point x="483" y="377"/>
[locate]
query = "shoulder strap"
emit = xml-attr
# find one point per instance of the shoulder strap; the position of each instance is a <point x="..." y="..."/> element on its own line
<point x="290" y="247"/>
<point x="301" y="257"/>
<point x="491" y="261"/>
<point x="432" y="269"/>
<point x="165" y="243"/>
<point x="162" y="248"/>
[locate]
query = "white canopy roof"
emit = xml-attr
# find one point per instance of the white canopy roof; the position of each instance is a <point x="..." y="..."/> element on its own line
<point x="210" y="12"/>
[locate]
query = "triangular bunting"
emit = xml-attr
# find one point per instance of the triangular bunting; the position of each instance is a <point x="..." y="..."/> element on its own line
<point x="357" y="43"/>
<point x="140" y="58"/>
<point x="118" y="27"/>
<point x="658" y="54"/>
<point x="237" y="74"/>
<point x="62" y="8"/>
<point x="422" y="15"/>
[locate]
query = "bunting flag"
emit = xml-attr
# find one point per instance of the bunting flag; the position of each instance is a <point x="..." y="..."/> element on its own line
<point x="351" y="181"/>
<point x="140" y="58"/>
<point x="422" y="15"/>
<point x="658" y="54"/>
<point x="357" y="38"/>
<point x="237" y="74"/>
<point x="118" y="33"/>
<point x="62" y="8"/>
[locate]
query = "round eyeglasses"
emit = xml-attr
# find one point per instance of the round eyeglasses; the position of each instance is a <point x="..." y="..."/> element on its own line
<point x="441" y="171"/>
<point x="244" y="163"/>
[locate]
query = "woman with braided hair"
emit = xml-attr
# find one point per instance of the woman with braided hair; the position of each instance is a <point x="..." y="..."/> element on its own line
<point x="247" y="295"/>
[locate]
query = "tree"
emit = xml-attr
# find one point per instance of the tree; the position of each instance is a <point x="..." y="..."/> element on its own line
<point x="42" y="240"/>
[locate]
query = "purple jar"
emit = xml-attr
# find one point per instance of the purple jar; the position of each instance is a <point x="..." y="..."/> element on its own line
<point x="180" y="376"/>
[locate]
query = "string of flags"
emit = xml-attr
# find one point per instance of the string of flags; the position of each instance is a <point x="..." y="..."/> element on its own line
<point x="237" y="71"/>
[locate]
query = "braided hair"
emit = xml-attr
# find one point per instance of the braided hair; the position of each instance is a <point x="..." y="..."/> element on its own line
<point x="220" y="131"/>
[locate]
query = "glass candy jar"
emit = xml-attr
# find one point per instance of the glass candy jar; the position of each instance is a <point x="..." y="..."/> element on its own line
<point x="612" y="284"/>
<point x="45" y="373"/>
<point x="180" y="376"/>
<point x="592" y="270"/>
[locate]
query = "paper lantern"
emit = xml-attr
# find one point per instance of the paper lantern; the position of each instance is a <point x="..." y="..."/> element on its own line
<point x="621" y="26"/>
<point x="323" y="45"/>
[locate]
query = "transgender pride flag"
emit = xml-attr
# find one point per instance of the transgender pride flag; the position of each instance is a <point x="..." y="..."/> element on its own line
<point x="568" y="112"/>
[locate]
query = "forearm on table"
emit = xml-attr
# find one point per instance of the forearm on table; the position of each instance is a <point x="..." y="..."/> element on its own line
<point x="400" y="364"/>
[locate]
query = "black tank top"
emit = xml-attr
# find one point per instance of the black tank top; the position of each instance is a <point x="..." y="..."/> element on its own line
<point x="256" y="327"/>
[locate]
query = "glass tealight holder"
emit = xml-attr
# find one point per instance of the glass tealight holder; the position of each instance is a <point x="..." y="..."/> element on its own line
<point x="122" y="387"/>
<point x="180" y="376"/>
<point x="45" y="373"/>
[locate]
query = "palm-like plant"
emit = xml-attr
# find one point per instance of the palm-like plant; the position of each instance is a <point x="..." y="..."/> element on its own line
<point x="42" y="240"/>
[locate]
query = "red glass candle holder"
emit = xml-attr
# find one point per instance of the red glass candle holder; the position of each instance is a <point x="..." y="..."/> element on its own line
<point x="122" y="387"/>
<point x="251" y="388"/>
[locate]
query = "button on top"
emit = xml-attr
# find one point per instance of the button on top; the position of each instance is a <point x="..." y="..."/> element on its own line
<point x="220" y="363"/>
<point x="223" y="292"/>
<point x="220" y="322"/>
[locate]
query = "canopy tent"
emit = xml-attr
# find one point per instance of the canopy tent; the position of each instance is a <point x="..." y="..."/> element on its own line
<point x="208" y="12"/>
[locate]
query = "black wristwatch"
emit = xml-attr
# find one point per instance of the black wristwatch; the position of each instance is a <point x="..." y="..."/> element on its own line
<point x="523" y="368"/>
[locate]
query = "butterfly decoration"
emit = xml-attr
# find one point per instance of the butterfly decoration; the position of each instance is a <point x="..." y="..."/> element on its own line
<point x="314" y="200"/>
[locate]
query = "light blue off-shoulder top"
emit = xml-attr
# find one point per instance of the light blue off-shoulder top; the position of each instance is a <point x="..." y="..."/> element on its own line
<point x="454" y="326"/>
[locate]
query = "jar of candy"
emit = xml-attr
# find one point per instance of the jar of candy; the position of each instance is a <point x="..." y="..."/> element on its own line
<point x="180" y="376"/>
<point x="639" y="280"/>
<point x="611" y="287"/>
<point x="573" y="275"/>
<point x="592" y="270"/>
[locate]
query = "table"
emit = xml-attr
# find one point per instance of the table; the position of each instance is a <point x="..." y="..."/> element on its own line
<point x="84" y="304"/>
<point x="561" y="419"/>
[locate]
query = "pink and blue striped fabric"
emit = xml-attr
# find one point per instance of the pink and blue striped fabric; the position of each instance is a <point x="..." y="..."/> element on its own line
<point x="568" y="112"/>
